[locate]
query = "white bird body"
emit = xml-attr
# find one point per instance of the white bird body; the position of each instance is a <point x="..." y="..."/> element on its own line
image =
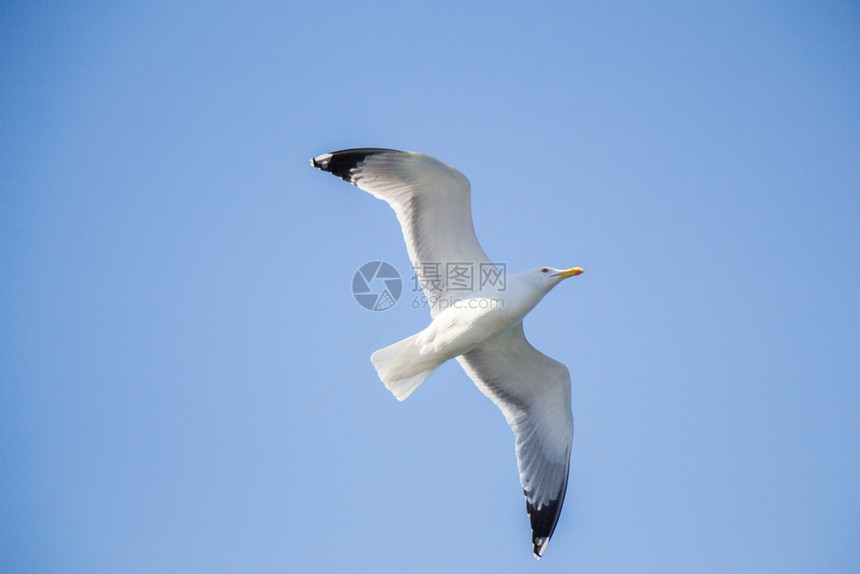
<point x="467" y="323"/>
<point x="481" y="328"/>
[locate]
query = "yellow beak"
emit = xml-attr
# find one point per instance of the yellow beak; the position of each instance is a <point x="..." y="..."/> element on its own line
<point x="572" y="272"/>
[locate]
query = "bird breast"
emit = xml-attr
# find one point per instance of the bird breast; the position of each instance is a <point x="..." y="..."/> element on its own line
<point x="465" y="325"/>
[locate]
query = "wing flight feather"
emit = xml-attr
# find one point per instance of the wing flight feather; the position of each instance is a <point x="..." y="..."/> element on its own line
<point x="431" y="199"/>
<point x="533" y="392"/>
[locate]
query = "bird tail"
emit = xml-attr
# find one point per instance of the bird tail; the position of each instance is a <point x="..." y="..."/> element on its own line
<point x="401" y="367"/>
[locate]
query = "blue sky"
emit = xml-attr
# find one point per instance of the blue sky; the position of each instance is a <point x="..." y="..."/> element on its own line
<point x="175" y="285"/>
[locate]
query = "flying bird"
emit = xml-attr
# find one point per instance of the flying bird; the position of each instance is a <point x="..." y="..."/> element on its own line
<point x="479" y="325"/>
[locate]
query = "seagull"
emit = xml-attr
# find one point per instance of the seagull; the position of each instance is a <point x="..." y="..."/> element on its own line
<point x="480" y="324"/>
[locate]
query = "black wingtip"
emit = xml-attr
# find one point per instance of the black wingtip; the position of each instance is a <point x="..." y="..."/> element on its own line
<point x="341" y="163"/>
<point x="543" y="522"/>
<point x="545" y="517"/>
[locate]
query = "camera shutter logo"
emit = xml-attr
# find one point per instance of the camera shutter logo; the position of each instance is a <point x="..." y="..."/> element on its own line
<point x="377" y="286"/>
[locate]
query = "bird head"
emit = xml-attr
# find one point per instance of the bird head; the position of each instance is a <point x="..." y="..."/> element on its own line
<point x="552" y="276"/>
<point x="545" y="278"/>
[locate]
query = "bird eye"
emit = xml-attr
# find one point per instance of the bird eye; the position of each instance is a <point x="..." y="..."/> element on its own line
<point x="544" y="270"/>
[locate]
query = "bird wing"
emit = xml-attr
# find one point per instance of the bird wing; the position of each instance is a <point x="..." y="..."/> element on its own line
<point x="533" y="392"/>
<point x="432" y="201"/>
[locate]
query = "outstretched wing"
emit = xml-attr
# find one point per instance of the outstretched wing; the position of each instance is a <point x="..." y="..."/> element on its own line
<point x="533" y="392"/>
<point x="432" y="201"/>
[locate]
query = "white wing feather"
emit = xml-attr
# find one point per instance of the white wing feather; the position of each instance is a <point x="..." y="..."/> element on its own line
<point x="533" y="392"/>
<point x="432" y="201"/>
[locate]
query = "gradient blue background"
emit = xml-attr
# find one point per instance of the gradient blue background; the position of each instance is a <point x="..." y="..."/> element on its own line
<point x="175" y="284"/>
